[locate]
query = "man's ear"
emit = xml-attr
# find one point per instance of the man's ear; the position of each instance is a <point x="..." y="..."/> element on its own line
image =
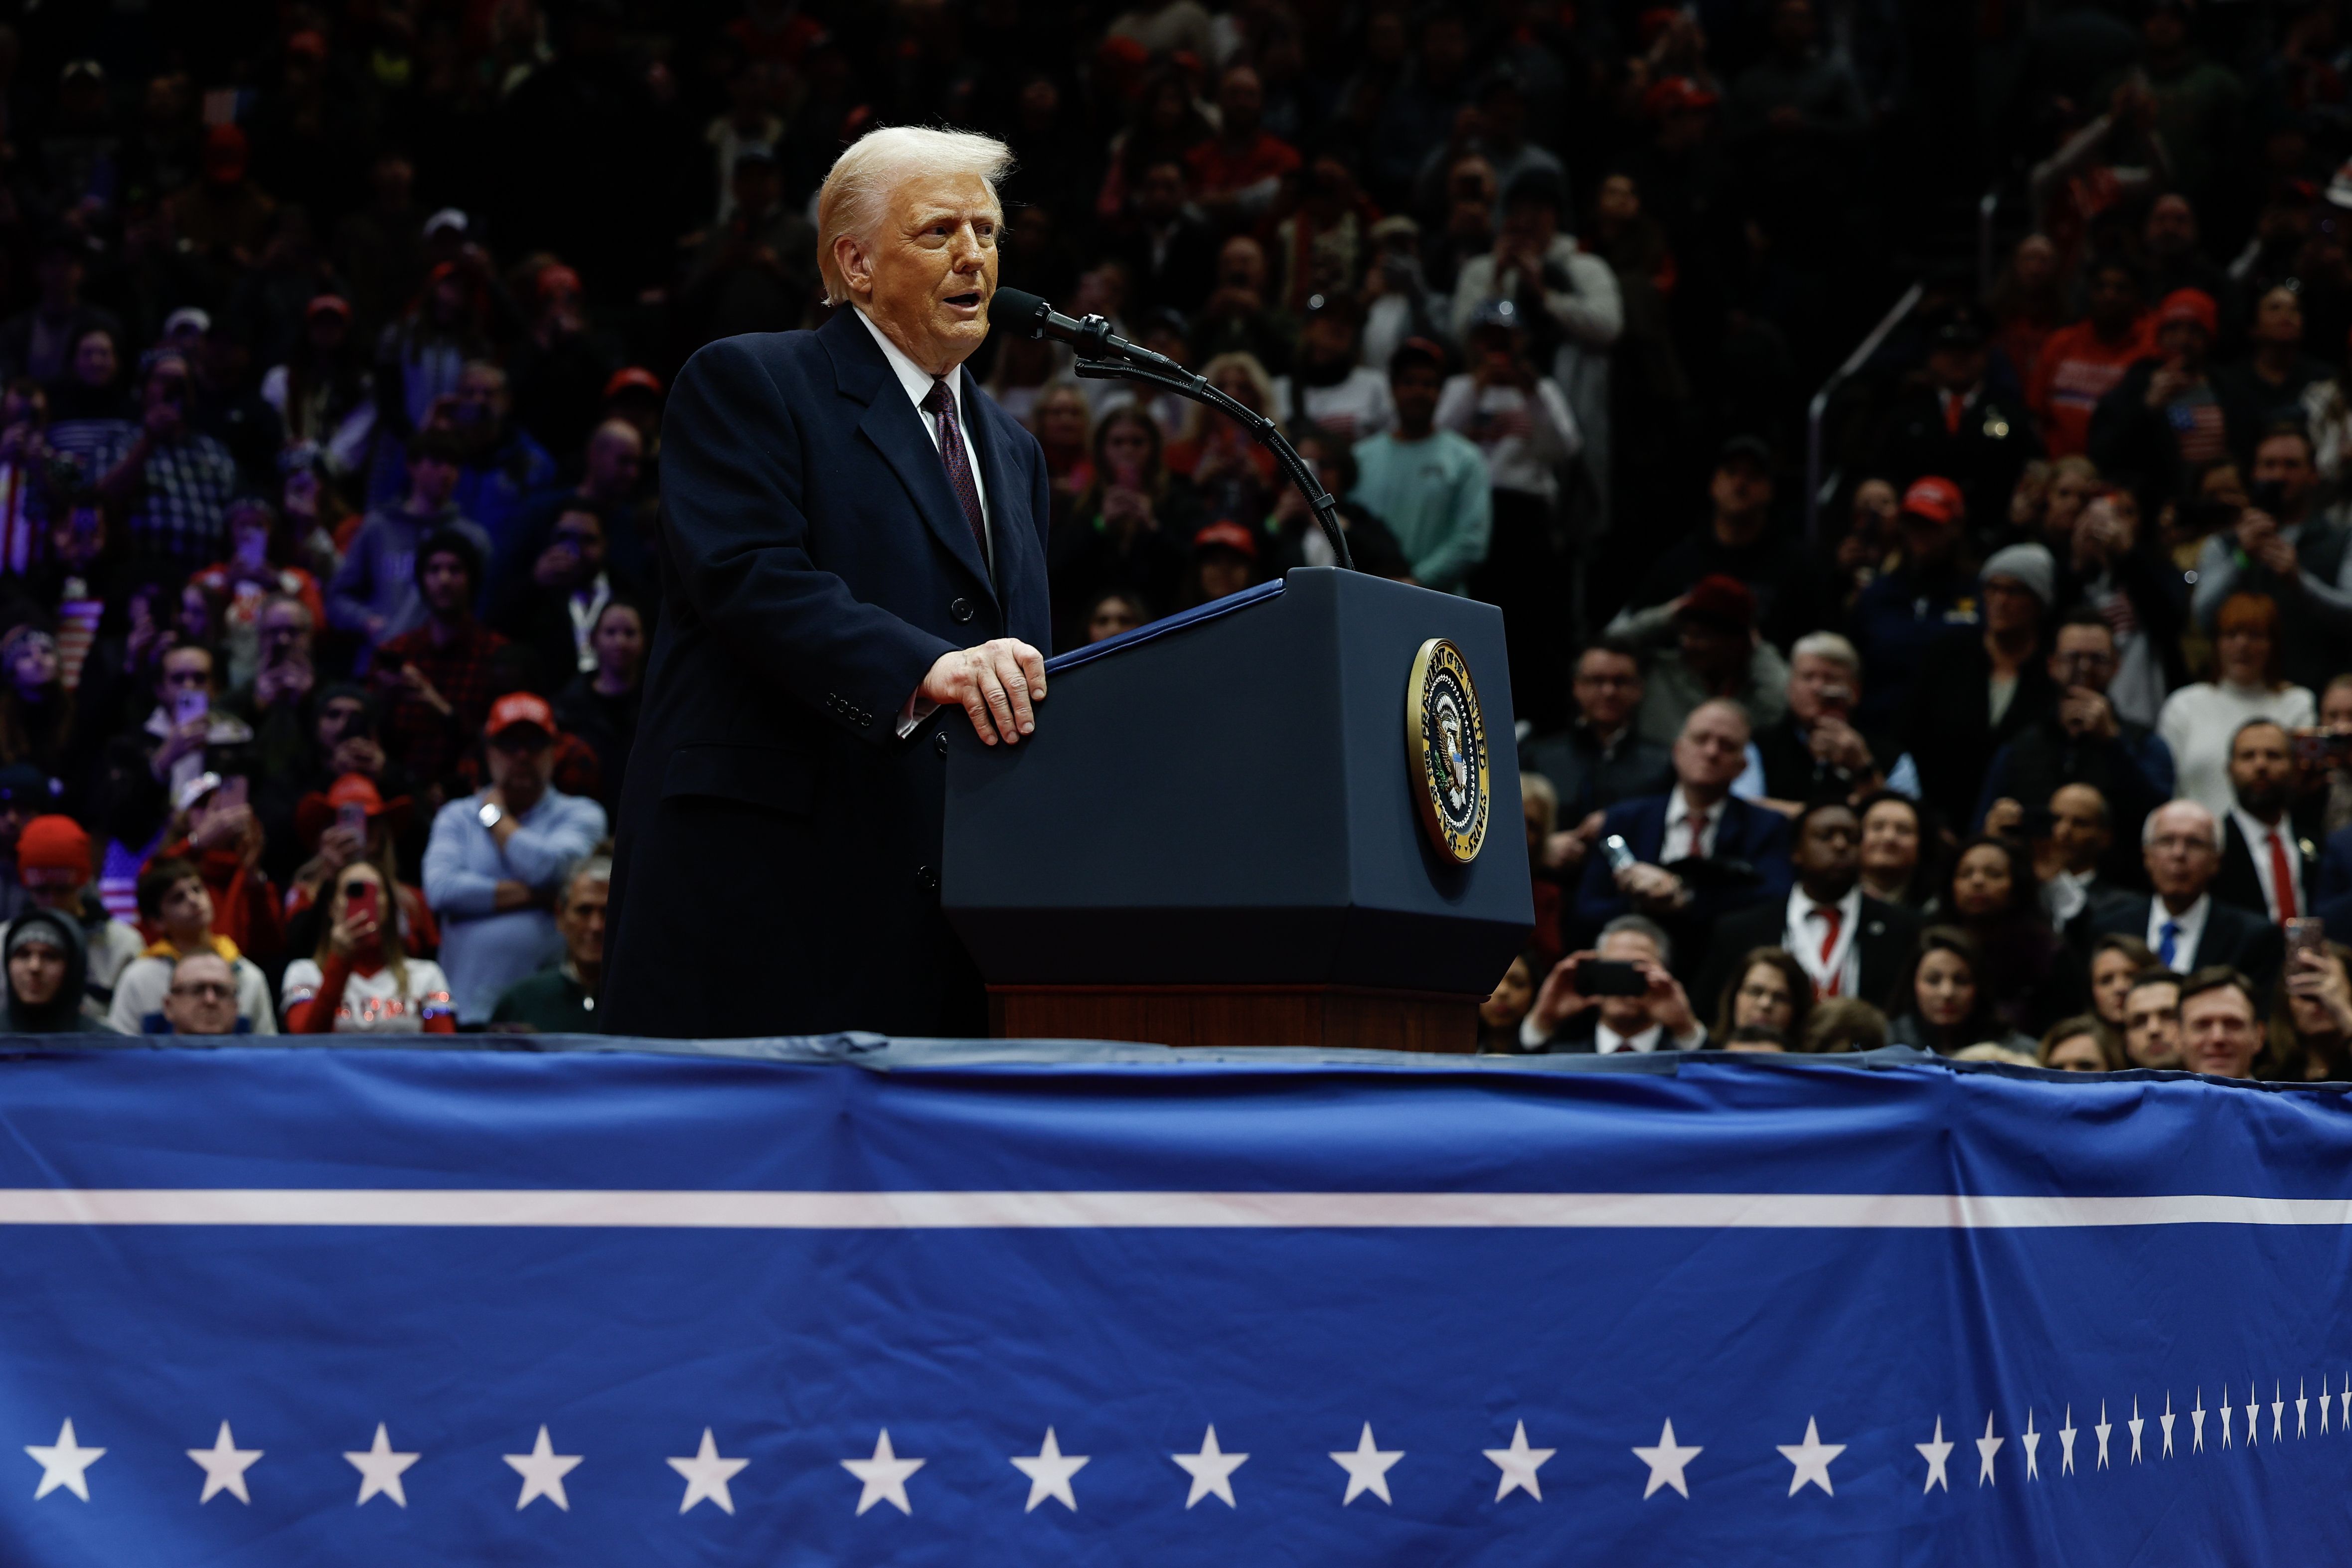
<point x="855" y="264"/>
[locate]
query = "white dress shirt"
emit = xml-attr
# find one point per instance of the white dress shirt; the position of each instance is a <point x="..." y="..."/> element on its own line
<point x="1680" y="842"/>
<point x="1607" y="1041"/>
<point x="2064" y="894"/>
<point x="1839" y="974"/>
<point x="2192" y="924"/>
<point x="917" y="383"/>
<point x="2258" y="835"/>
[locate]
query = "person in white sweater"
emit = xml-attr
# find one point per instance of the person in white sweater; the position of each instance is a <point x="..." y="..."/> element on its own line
<point x="2199" y="722"/>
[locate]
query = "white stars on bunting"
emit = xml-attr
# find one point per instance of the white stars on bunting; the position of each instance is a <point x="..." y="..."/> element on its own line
<point x="64" y="1463"/>
<point x="380" y="1469"/>
<point x="2225" y="1411"/>
<point x="1987" y="1447"/>
<point x="225" y="1465"/>
<point x="1666" y="1461"/>
<point x="1211" y="1470"/>
<point x="2302" y="1404"/>
<point x="2253" y="1404"/>
<point x="2197" y="1414"/>
<point x="707" y="1476"/>
<point x="2033" y="1445"/>
<point x="2167" y="1419"/>
<point x="1519" y="1464"/>
<point x="2278" y="1412"/>
<point x="1367" y="1465"/>
<point x="542" y="1471"/>
<point x="1811" y="1458"/>
<point x="2103" y="1428"/>
<point x="1049" y="1471"/>
<point x="2346" y="1420"/>
<point x="1937" y="1452"/>
<point x="2066" y="1444"/>
<point x="885" y="1475"/>
<point x="2137" y="1423"/>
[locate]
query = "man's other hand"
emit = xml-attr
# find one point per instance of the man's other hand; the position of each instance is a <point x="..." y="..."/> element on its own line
<point x="995" y="683"/>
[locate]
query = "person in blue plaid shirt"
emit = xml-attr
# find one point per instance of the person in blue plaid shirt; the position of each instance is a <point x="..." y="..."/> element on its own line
<point x="173" y="480"/>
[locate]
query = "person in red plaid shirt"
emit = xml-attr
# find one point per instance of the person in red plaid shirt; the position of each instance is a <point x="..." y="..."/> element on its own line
<point x="436" y="679"/>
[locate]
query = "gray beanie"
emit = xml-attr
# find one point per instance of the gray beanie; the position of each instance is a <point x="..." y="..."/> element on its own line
<point x="2030" y="564"/>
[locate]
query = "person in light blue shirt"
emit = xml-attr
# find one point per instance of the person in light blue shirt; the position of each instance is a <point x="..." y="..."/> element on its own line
<point x="498" y="858"/>
<point x="1430" y="486"/>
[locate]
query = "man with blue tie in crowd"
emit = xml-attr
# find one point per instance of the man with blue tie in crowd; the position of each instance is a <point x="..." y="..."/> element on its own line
<point x="856" y="539"/>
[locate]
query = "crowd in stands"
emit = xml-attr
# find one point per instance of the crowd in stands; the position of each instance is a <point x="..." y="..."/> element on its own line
<point x="333" y="346"/>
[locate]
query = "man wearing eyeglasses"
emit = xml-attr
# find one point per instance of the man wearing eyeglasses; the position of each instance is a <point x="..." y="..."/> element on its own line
<point x="2083" y="741"/>
<point x="1600" y="759"/>
<point x="203" y="998"/>
<point x="498" y="859"/>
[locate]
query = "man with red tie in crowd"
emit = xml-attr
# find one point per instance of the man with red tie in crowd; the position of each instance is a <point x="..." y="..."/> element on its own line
<point x="1849" y="943"/>
<point x="857" y="540"/>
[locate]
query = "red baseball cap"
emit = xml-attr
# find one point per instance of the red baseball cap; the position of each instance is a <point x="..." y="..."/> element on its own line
<point x="1674" y="93"/>
<point x="2188" y="305"/>
<point x="327" y="305"/>
<point x="1937" y="500"/>
<point x="1226" y="534"/>
<point x="53" y="842"/>
<point x="1720" y="601"/>
<point x="520" y="708"/>
<point x="634" y="376"/>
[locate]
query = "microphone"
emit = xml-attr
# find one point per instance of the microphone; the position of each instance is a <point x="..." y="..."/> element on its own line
<point x="1025" y="314"/>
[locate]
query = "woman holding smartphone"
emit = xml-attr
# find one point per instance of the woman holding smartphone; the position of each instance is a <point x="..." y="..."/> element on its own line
<point x="359" y="981"/>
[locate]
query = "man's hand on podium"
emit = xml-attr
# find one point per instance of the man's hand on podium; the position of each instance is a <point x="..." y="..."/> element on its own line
<point x="995" y="683"/>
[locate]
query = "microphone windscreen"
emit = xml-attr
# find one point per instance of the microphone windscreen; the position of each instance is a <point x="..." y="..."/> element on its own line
<point x="1017" y="307"/>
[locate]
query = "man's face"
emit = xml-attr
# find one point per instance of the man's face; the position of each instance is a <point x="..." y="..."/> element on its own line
<point x="1533" y="224"/>
<point x="1240" y="100"/>
<point x="1242" y="265"/>
<point x="430" y="480"/>
<point x="581" y="921"/>
<point x="2171" y="228"/>
<point x="756" y="185"/>
<point x="2262" y="769"/>
<point x="1326" y="342"/>
<point x="2218" y="1033"/>
<point x="522" y="759"/>
<point x="930" y="271"/>
<point x="339" y="720"/>
<point x="1829" y="850"/>
<point x="36" y="970"/>
<point x="2114" y="300"/>
<point x="1712" y="748"/>
<point x="1414" y="390"/>
<point x="2285" y="461"/>
<point x="1626" y="1014"/>
<point x="2182" y="340"/>
<point x="185" y="669"/>
<point x="1608" y="688"/>
<point x="203" y="998"/>
<point x="1161" y="195"/>
<point x="584" y="534"/>
<point x="445" y="584"/>
<point x="2279" y="318"/>
<point x="57" y="888"/>
<point x="481" y="398"/>
<point x="616" y="459"/>
<point x="93" y="360"/>
<point x="2084" y="655"/>
<point x="167" y="390"/>
<point x="2078" y="828"/>
<point x="619" y="641"/>
<point x="2152" y="1025"/>
<point x="285" y="634"/>
<point x="2180" y="853"/>
<point x="2010" y="605"/>
<point x="1741" y="489"/>
<point x="186" y="911"/>
<point x="1716" y="654"/>
<point x="1820" y="688"/>
<point x="1956" y="367"/>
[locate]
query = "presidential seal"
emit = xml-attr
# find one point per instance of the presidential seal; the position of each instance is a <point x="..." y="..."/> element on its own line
<point x="1445" y="746"/>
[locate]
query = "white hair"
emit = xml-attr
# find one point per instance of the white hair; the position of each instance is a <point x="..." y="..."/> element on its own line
<point x="1828" y="646"/>
<point x="2211" y="825"/>
<point x="856" y="192"/>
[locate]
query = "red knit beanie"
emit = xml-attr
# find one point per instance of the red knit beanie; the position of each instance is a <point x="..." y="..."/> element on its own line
<point x="53" y="842"/>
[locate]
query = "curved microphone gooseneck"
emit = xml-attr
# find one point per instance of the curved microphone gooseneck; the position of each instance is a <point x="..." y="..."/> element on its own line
<point x="1103" y="357"/>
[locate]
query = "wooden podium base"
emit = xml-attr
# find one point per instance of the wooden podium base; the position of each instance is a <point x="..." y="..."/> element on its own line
<point x="1330" y="1015"/>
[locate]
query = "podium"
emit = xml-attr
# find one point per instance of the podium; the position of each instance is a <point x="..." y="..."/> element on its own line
<point x="1224" y="830"/>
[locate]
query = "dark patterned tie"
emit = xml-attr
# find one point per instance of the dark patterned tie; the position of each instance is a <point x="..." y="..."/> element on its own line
<point x="940" y="405"/>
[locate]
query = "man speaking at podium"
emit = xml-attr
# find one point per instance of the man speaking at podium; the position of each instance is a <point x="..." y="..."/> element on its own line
<point x="856" y="538"/>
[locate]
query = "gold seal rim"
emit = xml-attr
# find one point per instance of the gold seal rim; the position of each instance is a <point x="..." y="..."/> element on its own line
<point x="1463" y="848"/>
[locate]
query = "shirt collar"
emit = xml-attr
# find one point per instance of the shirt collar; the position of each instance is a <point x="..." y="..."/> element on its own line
<point x="1801" y="905"/>
<point x="2258" y="832"/>
<point x="912" y="376"/>
<point x="1607" y="1041"/>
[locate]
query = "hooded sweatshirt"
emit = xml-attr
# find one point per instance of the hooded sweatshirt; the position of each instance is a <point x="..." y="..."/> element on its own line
<point x="62" y="1013"/>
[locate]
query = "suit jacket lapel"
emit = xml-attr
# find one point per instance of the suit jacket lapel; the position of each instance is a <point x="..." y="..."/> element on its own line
<point x="894" y="426"/>
<point x="1012" y="531"/>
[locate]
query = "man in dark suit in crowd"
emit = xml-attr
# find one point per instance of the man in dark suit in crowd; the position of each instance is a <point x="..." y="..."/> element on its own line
<point x="856" y="537"/>
<point x="1600" y="759"/>
<point x="2268" y="859"/>
<point x="1564" y="1017"/>
<point x="1815" y="751"/>
<point x="1955" y="423"/>
<point x="2082" y="741"/>
<point x="1851" y="943"/>
<point x="1699" y="852"/>
<point x="2184" y="925"/>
